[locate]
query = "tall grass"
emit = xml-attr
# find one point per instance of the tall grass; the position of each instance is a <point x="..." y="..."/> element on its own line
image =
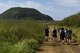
<point x="76" y="33"/>
<point x="20" y="36"/>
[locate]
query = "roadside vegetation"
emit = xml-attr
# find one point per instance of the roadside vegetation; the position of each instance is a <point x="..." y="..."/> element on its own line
<point x="20" y="36"/>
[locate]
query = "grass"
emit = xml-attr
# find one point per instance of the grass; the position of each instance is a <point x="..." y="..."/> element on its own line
<point x="20" y="36"/>
<point x="25" y="36"/>
<point x="76" y="33"/>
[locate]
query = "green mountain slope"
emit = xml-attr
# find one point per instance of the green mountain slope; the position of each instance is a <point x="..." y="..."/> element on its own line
<point x="24" y="13"/>
<point x="73" y="20"/>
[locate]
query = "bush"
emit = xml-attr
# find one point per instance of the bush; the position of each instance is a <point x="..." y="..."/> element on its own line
<point x="32" y="45"/>
<point x="20" y="37"/>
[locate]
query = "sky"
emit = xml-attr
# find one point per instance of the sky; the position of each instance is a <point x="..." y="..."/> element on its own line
<point x="57" y="9"/>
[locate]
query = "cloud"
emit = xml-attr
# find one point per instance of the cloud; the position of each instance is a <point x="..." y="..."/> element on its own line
<point x="74" y="3"/>
<point x="57" y="8"/>
<point x="29" y="4"/>
<point x="46" y="9"/>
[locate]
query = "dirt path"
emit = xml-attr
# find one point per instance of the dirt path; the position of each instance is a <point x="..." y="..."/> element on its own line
<point x="57" y="47"/>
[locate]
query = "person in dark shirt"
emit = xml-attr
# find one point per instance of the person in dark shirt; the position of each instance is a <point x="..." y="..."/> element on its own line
<point x="69" y="35"/>
<point x="62" y="35"/>
<point x="66" y="34"/>
<point x="46" y="33"/>
<point x="54" y="33"/>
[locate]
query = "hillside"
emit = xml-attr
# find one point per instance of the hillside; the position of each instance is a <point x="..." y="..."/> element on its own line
<point x="73" y="20"/>
<point x="24" y="13"/>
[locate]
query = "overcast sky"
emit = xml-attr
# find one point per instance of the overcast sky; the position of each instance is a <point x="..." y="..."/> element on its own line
<point x="57" y="9"/>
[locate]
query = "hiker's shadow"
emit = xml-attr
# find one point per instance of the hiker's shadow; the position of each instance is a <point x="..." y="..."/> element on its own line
<point x="74" y="43"/>
<point x="40" y="50"/>
<point x="52" y="44"/>
<point x="47" y="44"/>
<point x="56" y="44"/>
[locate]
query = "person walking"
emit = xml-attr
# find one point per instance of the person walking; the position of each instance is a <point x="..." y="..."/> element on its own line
<point x="46" y="33"/>
<point x="62" y="35"/>
<point x="54" y="33"/>
<point x="66" y="34"/>
<point x="69" y="35"/>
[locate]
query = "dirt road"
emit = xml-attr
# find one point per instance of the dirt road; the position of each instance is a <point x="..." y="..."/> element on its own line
<point x="51" y="46"/>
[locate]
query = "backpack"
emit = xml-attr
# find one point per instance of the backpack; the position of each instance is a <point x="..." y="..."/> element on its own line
<point x="69" y="32"/>
<point x="46" y="30"/>
<point x="54" y="31"/>
<point x="62" y="32"/>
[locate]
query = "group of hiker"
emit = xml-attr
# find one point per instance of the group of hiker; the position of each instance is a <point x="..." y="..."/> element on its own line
<point x="65" y="35"/>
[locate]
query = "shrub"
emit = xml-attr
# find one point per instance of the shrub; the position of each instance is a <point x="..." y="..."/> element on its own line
<point x="20" y="36"/>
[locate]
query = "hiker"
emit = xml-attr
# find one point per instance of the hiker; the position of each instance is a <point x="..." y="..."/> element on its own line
<point x="66" y="35"/>
<point x="62" y="35"/>
<point x="46" y="33"/>
<point x="54" y="33"/>
<point x="60" y="29"/>
<point x="69" y="34"/>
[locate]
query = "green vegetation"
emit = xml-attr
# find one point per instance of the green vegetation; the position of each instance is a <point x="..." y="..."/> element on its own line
<point x="73" y="20"/>
<point x="76" y="32"/>
<point x="18" y="13"/>
<point x="20" y="33"/>
<point x="20" y="36"/>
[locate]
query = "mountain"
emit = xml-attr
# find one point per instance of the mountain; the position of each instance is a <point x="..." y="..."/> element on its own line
<point x="19" y="13"/>
<point x="73" y="20"/>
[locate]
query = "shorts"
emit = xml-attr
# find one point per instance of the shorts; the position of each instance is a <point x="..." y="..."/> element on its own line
<point x="62" y="37"/>
<point x="47" y="34"/>
<point x="54" y="35"/>
<point x="68" y="37"/>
